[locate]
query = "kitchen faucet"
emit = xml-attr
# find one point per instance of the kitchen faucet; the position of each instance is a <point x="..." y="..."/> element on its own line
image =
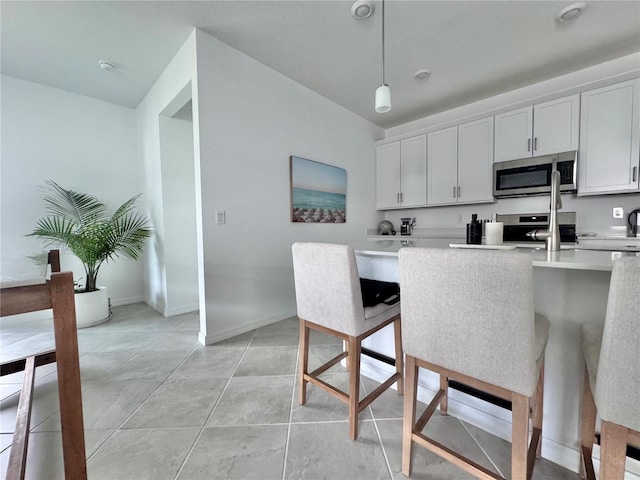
<point x="552" y="234"/>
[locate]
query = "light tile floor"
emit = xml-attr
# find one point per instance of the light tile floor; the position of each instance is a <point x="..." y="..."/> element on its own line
<point x="158" y="405"/>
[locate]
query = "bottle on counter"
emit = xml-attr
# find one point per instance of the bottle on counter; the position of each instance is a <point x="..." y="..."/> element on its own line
<point x="474" y="231"/>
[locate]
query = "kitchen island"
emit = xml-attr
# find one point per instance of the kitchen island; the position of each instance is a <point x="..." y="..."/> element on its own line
<point x="570" y="288"/>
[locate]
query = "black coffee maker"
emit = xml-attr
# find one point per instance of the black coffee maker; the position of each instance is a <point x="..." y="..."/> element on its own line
<point x="407" y="225"/>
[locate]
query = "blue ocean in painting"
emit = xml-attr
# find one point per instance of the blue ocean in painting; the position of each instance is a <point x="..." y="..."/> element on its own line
<point x="314" y="199"/>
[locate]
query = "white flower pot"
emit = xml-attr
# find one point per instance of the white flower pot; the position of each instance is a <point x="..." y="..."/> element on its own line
<point x="92" y="308"/>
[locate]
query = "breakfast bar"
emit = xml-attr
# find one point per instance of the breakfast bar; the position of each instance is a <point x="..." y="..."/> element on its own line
<point x="571" y="287"/>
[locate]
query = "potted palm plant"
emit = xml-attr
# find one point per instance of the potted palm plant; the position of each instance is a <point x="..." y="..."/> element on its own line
<point x="79" y="223"/>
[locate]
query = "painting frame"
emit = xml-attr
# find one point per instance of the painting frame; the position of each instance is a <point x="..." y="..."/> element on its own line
<point x="317" y="192"/>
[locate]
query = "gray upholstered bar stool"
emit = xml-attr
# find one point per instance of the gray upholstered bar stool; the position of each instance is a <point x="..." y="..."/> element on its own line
<point x="468" y="316"/>
<point x="329" y="300"/>
<point x="612" y="358"/>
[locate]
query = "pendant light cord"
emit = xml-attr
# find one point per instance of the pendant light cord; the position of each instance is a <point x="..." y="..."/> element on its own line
<point x="383" y="42"/>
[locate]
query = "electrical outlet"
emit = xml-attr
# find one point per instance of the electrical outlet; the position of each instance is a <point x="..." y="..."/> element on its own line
<point x="459" y="218"/>
<point x="221" y="217"/>
<point x="618" y="212"/>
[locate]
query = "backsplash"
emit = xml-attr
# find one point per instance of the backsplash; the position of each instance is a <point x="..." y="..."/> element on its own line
<point x="594" y="213"/>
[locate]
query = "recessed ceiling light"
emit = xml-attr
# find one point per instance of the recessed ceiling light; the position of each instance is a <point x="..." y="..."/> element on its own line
<point x="108" y="66"/>
<point x="362" y="9"/>
<point x="422" y="74"/>
<point x="572" y="11"/>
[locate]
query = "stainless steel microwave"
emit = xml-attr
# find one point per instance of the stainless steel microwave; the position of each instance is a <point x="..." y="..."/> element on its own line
<point x="532" y="176"/>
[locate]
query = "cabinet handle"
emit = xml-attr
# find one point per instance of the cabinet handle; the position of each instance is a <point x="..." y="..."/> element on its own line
<point x="454" y="191"/>
<point x="397" y="198"/>
<point x="535" y="144"/>
<point x="401" y="197"/>
<point x="635" y="173"/>
<point x="528" y="144"/>
<point x="458" y="191"/>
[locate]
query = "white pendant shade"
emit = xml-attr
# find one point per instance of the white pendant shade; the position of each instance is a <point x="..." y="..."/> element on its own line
<point x="383" y="99"/>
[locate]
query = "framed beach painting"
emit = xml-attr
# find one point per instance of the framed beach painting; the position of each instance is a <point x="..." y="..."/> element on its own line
<point x="318" y="192"/>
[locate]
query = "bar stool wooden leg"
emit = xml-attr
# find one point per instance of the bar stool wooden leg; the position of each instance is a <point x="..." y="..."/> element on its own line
<point x="587" y="430"/>
<point x="409" y="417"/>
<point x="519" y="436"/>
<point x="397" y="329"/>
<point x="444" y="402"/>
<point x="304" y="360"/>
<point x="613" y="451"/>
<point x="345" y="345"/>
<point x="354" y="385"/>
<point x="537" y="409"/>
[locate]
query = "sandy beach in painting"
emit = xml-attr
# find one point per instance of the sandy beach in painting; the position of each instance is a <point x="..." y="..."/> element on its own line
<point x="317" y="215"/>
<point x="312" y="206"/>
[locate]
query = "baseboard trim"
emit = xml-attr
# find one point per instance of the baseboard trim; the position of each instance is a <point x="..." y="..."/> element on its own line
<point x="553" y="451"/>
<point x="127" y="300"/>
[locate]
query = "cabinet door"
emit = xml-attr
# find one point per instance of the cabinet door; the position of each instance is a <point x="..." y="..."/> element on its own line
<point x="388" y="175"/>
<point x="555" y="126"/>
<point x="413" y="171"/>
<point x="475" y="161"/>
<point x="610" y="139"/>
<point x="442" y="171"/>
<point x="513" y="134"/>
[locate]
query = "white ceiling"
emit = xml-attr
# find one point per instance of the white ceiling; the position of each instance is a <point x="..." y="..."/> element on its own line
<point x="475" y="49"/>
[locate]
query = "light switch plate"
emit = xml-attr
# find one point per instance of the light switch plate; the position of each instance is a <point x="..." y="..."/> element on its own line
<point x="221" y="217"/>
<point x="618" y="212"/>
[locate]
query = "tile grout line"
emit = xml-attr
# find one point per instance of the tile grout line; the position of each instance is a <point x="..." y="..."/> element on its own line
<point x="215" y="405"/>
<point x="481" y="449"/>
<point x="101" y="446"/>
<point x="50" y="377"/>
<point x="293" y="396"/>
<point x="375" y="426"/>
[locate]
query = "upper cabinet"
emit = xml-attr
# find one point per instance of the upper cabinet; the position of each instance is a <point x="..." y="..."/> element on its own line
<point x="609" y="158"/>
<point x="401" y="173"/>
<point x="460" y="162"/>
<point x="442" y="170"/>
<point x="541" y="129"/>
<point x="475" y="161"/>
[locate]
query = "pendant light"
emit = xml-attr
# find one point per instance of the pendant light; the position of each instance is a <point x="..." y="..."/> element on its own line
<point x="383" y="92"/>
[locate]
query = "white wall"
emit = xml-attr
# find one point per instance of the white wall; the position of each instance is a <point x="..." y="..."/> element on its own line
<point x="81" y="143"/>
<point x="593" y="212"/>
<point x="251" y="119"/>
<point x="178" y="198"/>
<point x="174" y="87"/>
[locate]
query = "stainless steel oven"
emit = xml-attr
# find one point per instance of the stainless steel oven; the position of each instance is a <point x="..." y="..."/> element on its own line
<point x="532" y="176"/>
<point x="516" y="226"/>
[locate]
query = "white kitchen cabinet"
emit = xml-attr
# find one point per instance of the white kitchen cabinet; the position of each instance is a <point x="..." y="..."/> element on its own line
<point x="442" y="166"/>
<point x="542" y="129"/>
<point x="609" y="158"/>
<point x="513" y="134"/>
<point x="401" y="173"/>
<point x="475" y="161"/>
<point x="388" y="175"/>
<point x="460" y="164"/>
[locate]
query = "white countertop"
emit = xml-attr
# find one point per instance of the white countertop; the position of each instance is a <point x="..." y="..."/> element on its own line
<point x="568" y="258"/>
